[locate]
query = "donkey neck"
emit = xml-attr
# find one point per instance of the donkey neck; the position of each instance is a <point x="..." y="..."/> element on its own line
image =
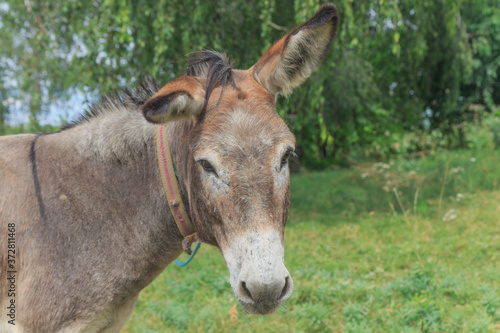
<point x="127" y="140"/>
<point x="122" y="136"/>
<point x="125" y="137"/>
<point x="113" y="158"/>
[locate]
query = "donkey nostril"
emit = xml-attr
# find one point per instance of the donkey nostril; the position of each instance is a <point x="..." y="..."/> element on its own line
<point x="244" y="286"/>
<point x="285" y="288"/>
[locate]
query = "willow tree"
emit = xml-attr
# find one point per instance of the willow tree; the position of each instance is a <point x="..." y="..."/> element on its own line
<point x="395" y="65"/>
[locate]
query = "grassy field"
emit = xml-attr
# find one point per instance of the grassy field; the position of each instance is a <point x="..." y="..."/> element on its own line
<point x="406" y="246"/>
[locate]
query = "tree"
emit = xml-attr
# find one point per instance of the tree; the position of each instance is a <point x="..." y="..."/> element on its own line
<point x="483" y="39"/>
<point x="411" y="65"/>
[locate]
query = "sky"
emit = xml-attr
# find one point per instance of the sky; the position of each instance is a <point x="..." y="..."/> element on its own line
<point x="58" y="112"/>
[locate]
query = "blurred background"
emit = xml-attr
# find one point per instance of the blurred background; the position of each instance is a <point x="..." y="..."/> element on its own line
<point x="394" y="221"/>
<point x="401" y="76"/>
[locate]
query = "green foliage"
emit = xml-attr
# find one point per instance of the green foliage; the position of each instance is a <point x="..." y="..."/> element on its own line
<point x="11" y="130"/>
<point x="483" y="30"/>
<point x="396" y="67"/>
<point x="490" y="301"/>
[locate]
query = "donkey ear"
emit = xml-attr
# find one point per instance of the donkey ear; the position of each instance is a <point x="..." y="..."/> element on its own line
<point x="181" y="98"/>
<point x="291" y="60"/>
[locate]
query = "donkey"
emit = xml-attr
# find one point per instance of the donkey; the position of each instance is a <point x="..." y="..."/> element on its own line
<point x="84" y="208"/>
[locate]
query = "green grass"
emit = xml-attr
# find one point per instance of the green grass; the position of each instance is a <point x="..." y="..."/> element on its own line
<point x="366" y="255"/>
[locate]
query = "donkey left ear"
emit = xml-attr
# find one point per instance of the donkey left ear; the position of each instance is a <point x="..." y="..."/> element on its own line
<point x="181" y="98"/>
<point x="291" y="60"/>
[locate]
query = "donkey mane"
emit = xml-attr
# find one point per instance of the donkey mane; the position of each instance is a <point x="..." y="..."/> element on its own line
<point x="117" y="101"/>
<point x="215" y="68"/>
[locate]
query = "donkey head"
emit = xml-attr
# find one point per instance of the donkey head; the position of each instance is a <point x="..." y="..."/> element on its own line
<point x="238" y="176"/>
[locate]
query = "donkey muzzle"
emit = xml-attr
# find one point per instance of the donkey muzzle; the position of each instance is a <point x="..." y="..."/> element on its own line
<point x="259" y="278"/>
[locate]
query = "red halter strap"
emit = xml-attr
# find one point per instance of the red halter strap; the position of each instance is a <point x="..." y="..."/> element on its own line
<point x="170" y="184"/>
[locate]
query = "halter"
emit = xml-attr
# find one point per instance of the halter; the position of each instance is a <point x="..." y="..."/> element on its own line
<point x="171" y="188"/>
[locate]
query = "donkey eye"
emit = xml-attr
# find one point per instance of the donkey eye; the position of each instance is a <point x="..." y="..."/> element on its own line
<point x="285" y="158"/>
<point x="207" y="166"/>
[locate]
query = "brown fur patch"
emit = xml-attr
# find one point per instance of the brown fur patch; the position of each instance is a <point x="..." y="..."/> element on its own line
<point x="242" y="95"/>
<point x="180" y="98"/>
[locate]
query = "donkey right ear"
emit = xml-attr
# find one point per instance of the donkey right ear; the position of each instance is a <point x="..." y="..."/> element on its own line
<point x="183" y="97"/>
<point x="291" y="60"/>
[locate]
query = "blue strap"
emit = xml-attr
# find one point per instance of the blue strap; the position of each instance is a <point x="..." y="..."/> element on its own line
<point x="198" y="244"/>
<point x="175" y="171"/>
<point x="182" y="264"/>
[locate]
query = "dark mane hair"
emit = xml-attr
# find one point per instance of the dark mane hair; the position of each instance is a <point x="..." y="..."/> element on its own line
<point x="210" y="65"/>
<point x="213" y="66"/>
<point x="116" y="101"/>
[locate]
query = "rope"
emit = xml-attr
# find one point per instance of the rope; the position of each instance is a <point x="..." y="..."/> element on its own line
<point x="182" y="264"/>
